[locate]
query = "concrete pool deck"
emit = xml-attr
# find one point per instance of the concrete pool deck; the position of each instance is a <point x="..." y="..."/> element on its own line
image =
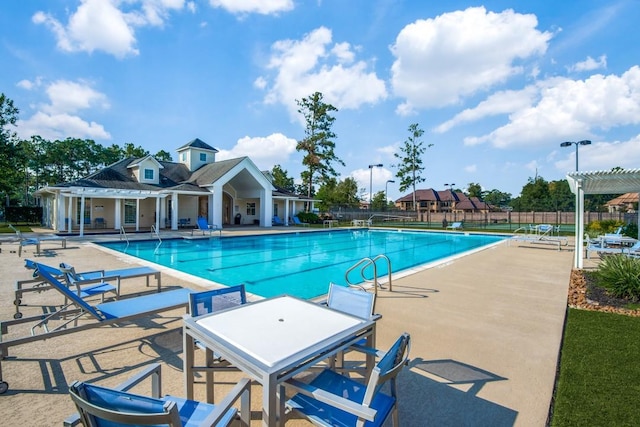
<point x="486" y="331"/>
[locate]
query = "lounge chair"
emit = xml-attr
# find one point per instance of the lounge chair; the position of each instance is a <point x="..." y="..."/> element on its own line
<point x="276" y="220"/>
<point x="455" y="226"/>
<point x="201" y="303"/>
<point x="99" y="223"/>
<point x="86" y="284"/>
<point x="541" y="234"/>
<point x="67" y="317"/>
<point x="36" y="240"/>
<point x="333" y="399"/>
<point x="118" y="407"/>
<point x="202" y="225"/>
<point x="602" y="248"/>
<point x="296" y="221"/>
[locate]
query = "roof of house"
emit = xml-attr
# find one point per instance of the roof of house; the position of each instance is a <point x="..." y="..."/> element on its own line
<point x="624" y="199"/>
<point x="197" y="143"/>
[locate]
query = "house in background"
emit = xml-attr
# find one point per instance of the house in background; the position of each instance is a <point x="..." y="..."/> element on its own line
<point x="447" y="201"/>
<point x="137" y="193"/>
<point x="626" y="203"/>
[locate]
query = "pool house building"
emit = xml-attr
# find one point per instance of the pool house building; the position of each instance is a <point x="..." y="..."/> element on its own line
<point x="138" y="193"/>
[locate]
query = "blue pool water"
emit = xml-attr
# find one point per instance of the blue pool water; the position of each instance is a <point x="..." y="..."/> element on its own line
<point x="300" y="264"/>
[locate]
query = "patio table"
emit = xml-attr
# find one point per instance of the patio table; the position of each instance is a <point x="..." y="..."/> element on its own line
<point x="272" y="340"/>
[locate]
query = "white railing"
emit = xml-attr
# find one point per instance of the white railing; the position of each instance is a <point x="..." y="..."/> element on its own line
<point x="365" y="263"/>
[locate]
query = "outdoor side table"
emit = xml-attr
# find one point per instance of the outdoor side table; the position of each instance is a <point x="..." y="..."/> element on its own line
<point x="272" y="340"/>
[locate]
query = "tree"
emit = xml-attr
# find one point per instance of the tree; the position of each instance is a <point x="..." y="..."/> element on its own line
<point x="318" y="142"/>
<point x="163" y="156"/>
<point x="347" y="193"/>
<point x="281" y="179"/>
<point x="410" y="160"/>
<point x="379" y="201"/>
<point x="535" y="195"/>
<point x="497" y="198"/>
<point x="132" y="151"/>
<point x="474" y="190"/>
<point x="10" y="177"/>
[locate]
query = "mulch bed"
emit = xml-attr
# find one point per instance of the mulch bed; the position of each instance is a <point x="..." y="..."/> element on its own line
<point x="583" y="294"/>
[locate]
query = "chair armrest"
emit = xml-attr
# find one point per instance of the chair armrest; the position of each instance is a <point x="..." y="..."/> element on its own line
<point x="242" y="392"/>
<point x="153" y="369"/>
<point x="332" y="399"/>
<point x="367" y="350"/>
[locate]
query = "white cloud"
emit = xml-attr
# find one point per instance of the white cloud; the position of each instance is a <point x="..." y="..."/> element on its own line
<point x="376" y="176"/>
<point x="440" y="60"/>
<point x="104" y="25"/>
<point x="264" y="7"/>
<point x="589" y="64"/>
<point x="265" y="152"/>
<point x="59" y="119"/>
<point x="572" y="110"/>
<point x="602" y="156"/>
<point x="312" y="64"/>
<point x="60" y="126"/>
<point x="70" y="97"/>
<point x="471" y="168"/>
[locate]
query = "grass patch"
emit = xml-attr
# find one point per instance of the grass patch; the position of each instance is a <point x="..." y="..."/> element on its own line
<point x="599" y="379"/>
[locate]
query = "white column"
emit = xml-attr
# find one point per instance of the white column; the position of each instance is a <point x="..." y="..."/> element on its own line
<point x="286" y="211"/>
<point x="70" y="212"/>
<point x="174" y="211"/>
<point x="117" y="217"/>
<point x="82" y="215"/>
<point x="137" y="214"/>
<point x="578" y="261"/>
<point x="157" y="214"/>
<point x="215" y="206"/>
<point x="60" y="200"/>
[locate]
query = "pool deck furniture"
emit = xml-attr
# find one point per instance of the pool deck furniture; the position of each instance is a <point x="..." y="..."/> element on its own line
<point x="66" y="318"/>
<point x="88" y="282"/>
<point x="202" y="225"/>
<point x="272" y="340"/>
<point x="330" y="223"/>
<point x="620" y="245"/>
<point x="296" y="221"/>
<point x="118" y="405"/>
<point x="541" y="234"/>
<point x="36" y="240"/>
<point x="455" y="226"/>
<point x="361" y="222"/>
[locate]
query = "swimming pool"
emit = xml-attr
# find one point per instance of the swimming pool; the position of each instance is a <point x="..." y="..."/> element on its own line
<point x="302" y="263"/>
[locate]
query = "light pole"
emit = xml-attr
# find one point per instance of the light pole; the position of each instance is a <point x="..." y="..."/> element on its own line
<point x="379" y="165"/>
<point x="386" y="197"/>
<point x="451" y="191"/>
<point x="569" y="143"/>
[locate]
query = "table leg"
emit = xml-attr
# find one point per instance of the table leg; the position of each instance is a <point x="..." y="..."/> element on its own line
<point x="269" y="400"/>
<point x="188" y="344"/>
<point x="208" y="362"/>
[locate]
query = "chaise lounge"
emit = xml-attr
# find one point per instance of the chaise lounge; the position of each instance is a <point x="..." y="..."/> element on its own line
<point x="67" y="318"/>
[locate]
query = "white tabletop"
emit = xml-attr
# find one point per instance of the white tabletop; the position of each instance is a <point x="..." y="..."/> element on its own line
<point x="274" y="329"/>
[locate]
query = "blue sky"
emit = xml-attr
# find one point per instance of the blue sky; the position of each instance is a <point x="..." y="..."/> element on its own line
<point x="496" y="85"/>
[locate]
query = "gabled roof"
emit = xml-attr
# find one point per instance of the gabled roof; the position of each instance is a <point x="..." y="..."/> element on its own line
<point x="211" y="172"/>
<point x="137" y="162"/>
<point x="625" y="199"/>
<point x="197" y="143"/>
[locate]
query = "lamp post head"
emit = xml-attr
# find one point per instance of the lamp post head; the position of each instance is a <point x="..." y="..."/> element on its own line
<point x="584" y="142"/>
<point x="566" y="144"/>
<point x="379" y="165"/>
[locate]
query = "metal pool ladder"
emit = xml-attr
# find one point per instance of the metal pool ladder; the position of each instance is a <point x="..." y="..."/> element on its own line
<point x="364" y="263"/>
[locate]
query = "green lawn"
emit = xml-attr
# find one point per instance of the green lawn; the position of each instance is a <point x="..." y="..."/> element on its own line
<point x="599" y="379"/>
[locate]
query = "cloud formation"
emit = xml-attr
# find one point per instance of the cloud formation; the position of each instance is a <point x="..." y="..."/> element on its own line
<point x="265" y="152"/>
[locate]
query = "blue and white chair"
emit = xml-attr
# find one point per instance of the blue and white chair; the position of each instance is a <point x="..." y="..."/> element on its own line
<point x="102" y="406"/>
<point x="332" y="399"/>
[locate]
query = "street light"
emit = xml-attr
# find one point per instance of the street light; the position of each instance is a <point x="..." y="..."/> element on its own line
<point x="379" y="165"/>
<point x="569" y="143"/>
<point x="386" y="197"/>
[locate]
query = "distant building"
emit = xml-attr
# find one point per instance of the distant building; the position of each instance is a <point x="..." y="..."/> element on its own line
<point x="626" y="203"/>
<point x="442" y="201"/>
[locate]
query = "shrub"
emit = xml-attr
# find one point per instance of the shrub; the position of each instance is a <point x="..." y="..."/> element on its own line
<point x="620" y="275"/>
<point x="631" y="230"/>
<point x="308" y="217"/>
<point x="596" y="228"/>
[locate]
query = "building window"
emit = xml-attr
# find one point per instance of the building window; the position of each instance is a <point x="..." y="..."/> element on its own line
<point x="87" y="211"/>
<point x="130" y="211"/>
<point x="183" y="157"/>
<point x="275" y="209"/>
<point x="203" y="157"/>
<point x="148" y="174"/>
<point x="251" y="209"/>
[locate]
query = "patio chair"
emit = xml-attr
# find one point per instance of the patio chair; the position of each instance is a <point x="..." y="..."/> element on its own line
<point x="67" y="317"/>
<point x="356" y="302"/>
<point x="332" y="399"/>
<point x="296" y="221"/>
<point x="276" y="220"/>
<point x="202" y="225"/>
<point x="99" y="405"/>
<point x="99" y="223"/>
<point x="455" y="225"/>
<point x="36" y="240"/>
<point x="205" y="302"/>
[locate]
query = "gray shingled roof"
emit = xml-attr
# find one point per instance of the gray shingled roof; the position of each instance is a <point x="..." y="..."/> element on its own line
<point x="211" y="172"/>
<point x="197" y="143"/>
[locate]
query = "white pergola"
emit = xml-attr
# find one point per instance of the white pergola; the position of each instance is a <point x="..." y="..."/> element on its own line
<point x="598" y="182"/>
